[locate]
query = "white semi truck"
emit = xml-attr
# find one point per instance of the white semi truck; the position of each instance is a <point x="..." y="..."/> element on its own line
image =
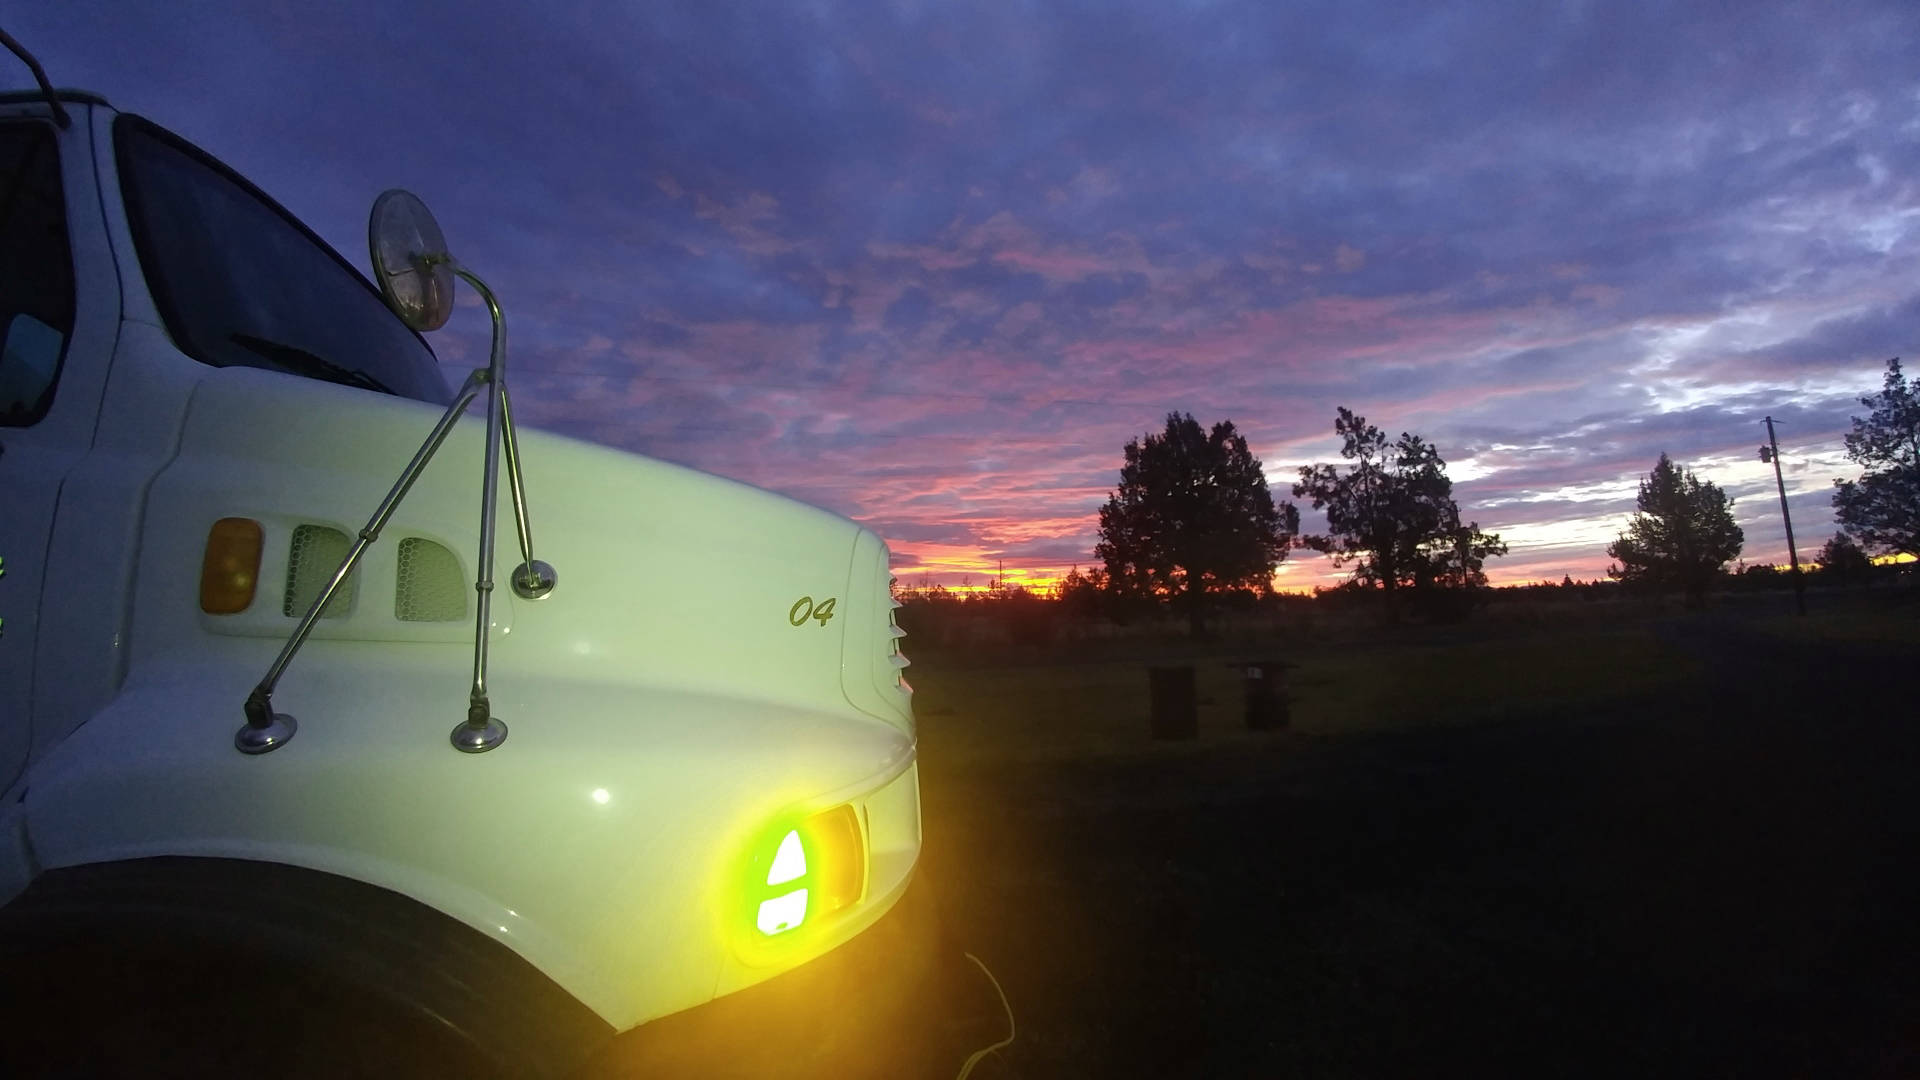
<point x="270" y="736"/>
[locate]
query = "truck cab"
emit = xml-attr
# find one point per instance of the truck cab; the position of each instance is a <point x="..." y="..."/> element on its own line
<point x="711" y="774"/>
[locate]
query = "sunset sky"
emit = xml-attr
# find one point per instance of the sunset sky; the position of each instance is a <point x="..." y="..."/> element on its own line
<point x="930" y="265"/>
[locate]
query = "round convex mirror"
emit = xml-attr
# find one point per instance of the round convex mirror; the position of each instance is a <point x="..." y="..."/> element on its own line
<point x="410" y="260"/>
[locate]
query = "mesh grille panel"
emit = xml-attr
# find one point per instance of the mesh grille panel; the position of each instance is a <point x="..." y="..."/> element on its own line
<point x="431" y="586"/>
<point x="314" y="556"/>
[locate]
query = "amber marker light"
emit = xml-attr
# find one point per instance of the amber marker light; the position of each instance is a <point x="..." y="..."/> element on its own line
<point x="231" y="567"/>
<point x="839" y="858"/>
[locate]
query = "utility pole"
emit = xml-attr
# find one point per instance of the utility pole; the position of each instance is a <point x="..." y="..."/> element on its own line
<point x="1771" y="452"/>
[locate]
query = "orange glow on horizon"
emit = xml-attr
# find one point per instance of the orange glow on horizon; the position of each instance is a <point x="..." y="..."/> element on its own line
<point x="965" y="570"/>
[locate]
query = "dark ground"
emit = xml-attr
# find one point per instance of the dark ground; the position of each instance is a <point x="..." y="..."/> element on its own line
<point x="1718" y="881"/>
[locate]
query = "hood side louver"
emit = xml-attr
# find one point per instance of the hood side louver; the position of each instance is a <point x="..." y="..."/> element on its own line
<point x="313" y="556"/>
<point x="430" y="586"/>
<point x="894" y="633"/>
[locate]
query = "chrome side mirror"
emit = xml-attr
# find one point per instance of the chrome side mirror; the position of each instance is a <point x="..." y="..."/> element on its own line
<point x="410" y="260"/>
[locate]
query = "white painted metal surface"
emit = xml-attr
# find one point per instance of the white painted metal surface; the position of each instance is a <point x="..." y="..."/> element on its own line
<point x="36" y="461"/>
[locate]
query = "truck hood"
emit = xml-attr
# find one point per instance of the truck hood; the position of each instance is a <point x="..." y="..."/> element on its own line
<point x="669" y="578"/>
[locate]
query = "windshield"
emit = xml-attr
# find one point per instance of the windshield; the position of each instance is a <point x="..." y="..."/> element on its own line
<point x="240" y="282"/>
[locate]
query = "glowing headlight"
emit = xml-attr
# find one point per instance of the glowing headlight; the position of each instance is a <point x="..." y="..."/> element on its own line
<point x="815" y="869"/>
<point x="782" y="913"/>
<point x="788" y="910"/>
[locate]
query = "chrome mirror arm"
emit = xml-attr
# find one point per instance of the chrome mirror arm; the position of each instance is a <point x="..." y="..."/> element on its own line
<point x="481" y="730"/>
<point x="268" y="730"/>
<point x="532" y="579"/>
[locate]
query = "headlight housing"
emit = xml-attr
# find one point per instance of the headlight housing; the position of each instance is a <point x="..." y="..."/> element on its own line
<point x="805" y="872"/>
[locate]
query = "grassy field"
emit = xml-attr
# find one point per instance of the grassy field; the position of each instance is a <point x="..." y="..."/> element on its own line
<point x="973" y="712"/>
<point x="1654" y="843"/>
<point x="1856" y="627"/>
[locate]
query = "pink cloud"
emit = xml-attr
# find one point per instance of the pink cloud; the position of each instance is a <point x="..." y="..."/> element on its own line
<point x="1004" y="239"/>
<point x="1599" y="295"/>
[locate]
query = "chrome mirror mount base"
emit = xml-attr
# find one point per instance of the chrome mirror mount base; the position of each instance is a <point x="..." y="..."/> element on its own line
<point x="471" y="739"/>
<point x="272" y="735"/>
<point x="534" y="580"/>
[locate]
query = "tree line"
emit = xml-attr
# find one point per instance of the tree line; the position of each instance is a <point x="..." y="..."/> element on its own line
<point x="1683" y="535"/>
<point x="1192" y="518"/>
<point x="1192" y="521"/>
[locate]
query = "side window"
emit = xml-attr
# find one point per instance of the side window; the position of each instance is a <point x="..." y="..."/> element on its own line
<point x="239" y="282"/>
<point x="36" y="273"/>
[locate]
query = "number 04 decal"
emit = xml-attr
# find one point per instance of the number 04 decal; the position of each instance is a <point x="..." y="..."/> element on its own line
<point x="804" y="609"/>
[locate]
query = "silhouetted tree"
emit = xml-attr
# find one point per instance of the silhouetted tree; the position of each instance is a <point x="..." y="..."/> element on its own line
<point x="1192" y="516"/>
<point x="1682" y="536"/>
<point x="1081" y="595"/>
<point x="1841" y="560"/>
<point x="1391" y="513"/>
<point x="1029" y="619"/>
<point x="1882" y="508"/>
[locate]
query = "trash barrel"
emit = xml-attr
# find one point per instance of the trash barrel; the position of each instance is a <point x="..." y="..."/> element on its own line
<point x="1267" y="707"/>
<point x="1175" y="715"/>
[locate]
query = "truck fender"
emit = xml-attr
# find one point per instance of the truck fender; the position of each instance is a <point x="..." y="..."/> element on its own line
<point x="308" y="928"/>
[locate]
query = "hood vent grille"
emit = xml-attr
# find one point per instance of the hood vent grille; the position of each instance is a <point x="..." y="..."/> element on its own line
<point x="431" y="587"/>
<point x="311" y="560"/>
